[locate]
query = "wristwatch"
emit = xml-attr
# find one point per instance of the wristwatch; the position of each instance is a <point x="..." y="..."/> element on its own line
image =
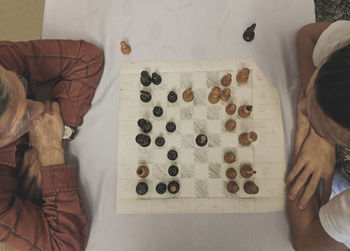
<point x="69" y="132"/>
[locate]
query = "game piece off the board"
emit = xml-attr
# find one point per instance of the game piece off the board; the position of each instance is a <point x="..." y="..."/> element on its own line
<point x="249" y="33"/>
<point x="188" y="95"/>
<point x="125" y="48"/>
<point x="226" y="80"/>
<point x="232" y="187"/>
<point x="230" y="125"/>
<point x="142" y="171"/>
<point x="229" y="157"/>
<point x="243" y="76"/>
<point x="231" y="173"/>
<point x="145" y="96"/>
<point x="201" y="140"/>
<point x="250" y="187"/>
<point x="173" y="187"/>
<point x="247" y="171"/>
<point x="141" y="188"/>
<point x="230" y="109"/>
<point x="145" y="78"/>
<point x="245" y="110"/>
<point x="225" y="94"/>
<point x="245" y="139"/>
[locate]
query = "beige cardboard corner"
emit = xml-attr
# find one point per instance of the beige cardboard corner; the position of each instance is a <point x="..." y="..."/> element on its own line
<point x="21" y="20"/>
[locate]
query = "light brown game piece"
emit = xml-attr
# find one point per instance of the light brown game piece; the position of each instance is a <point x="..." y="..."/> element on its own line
<point x="188" y="95"/>
<point x="232" y="187"/>
<point x="213" y="99"/>
<point x="226" y="80"/>
<point x="225" y="94"/>
<point x="231" y="173"/>
<point x="243" y="76"/>
<point x="245" y="110"/>
<point x="142" y="171"/>
<point x="245" y="139"/>
<point x="230" y="109"/>
<point x="230" y="125"/>
<point x="247" y="171"/>
<point x="229" y="157"/>
<point x="125" y="48"/>
<point x="216" y="91"/>
<point x="250" y="187"/>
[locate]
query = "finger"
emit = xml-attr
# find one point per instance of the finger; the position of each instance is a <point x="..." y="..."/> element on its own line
<point x="47" y="106"/>
<point x="56" y="108"/>
<point x="309" y="191"/>
<point x="295" y="169"/>
<point x="301" y="180"/>
<point x="327" y="189"/>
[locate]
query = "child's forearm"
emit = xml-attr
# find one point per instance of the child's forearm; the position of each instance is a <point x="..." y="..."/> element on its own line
<point x="307" y="38"/>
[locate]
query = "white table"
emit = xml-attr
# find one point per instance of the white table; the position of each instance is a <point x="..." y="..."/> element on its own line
<point x="175" y="30"/>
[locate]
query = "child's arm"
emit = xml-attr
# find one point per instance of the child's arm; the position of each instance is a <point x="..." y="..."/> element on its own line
<point x="307" y="38"/>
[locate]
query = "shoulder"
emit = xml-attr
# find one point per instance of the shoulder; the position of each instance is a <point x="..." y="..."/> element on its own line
<point x="334" y="217"/>
<point x="334" y="37"/>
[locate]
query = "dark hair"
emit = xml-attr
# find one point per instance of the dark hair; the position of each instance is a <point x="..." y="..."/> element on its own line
<point x="332" y="86"/>
<point x="4" y="96"/>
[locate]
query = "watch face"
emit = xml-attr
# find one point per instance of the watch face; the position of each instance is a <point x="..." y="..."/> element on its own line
<point x="67" y="132"/>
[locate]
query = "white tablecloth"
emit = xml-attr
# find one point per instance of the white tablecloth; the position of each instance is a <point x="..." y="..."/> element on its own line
<point x="175" y="30"/>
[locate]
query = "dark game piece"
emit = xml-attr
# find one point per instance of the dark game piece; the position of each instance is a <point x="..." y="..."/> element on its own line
<point x="156" y="78"/>
<point x="143" y="140"/>
<point x="170" y="127"/>
<point x="173" y="187"/>
<point x="144" y="125"/>
<point x="157" y="111"/>
<point x="172" y="155"/>
<point x="145" y="79"/>
<point x="161" y="188"/>
<point x="160" y="141"/>
<point x="141" y="188"/>
<point x="173" y="170"/>
<point x="201" y="140"/>
<point x="145" y="96"/>
<point x="172" y="97"/>
<point x="249" y="34"/>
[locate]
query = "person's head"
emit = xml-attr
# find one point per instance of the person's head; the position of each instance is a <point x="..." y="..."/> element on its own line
<point x="16" y="111"/>
<point x="328" y="98"/>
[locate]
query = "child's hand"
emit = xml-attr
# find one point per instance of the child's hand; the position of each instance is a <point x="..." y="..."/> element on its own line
<point x="316" y="160"/>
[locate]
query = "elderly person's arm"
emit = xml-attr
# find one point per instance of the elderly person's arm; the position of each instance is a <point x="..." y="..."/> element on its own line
<point x="76" y="65"/>
<point x="61" y="222"/>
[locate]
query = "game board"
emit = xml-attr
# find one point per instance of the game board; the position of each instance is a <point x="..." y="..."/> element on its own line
<point x="201" y="169"/>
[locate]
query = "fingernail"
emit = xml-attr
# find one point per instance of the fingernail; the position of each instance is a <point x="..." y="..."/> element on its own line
<point x="292" y="196"/>
<point x="302" y="206"/>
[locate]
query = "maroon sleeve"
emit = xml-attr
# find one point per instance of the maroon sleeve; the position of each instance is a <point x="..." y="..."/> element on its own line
<point x="60" y="224"/>
<point x="78" y="66"/>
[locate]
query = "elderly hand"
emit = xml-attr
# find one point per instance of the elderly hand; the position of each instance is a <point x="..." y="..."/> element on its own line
<point x="46" y="135"/>
<point x="316" y="160"/>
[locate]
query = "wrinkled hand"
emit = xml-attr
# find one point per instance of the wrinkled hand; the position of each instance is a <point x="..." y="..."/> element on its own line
<point x="31" y="189"/>
<point x="315" y="160"/>
<point x="46" y="135"/>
